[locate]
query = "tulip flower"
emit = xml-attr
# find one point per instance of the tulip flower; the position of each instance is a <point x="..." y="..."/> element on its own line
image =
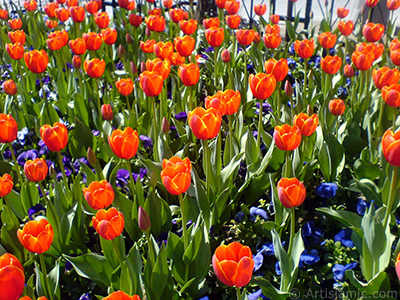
<point x="94" y="67"/>
<point x="135" y="20"/>
<point x="331" y="64"/>
<point x="3" y="14"/>
<point x="342" y="12"/>
<point x="78" y="46"/>
<point x="232" y="7"/>
<point x="346" y="28"/>
<point x="175" y="175"/>
<point x="163" y="50"/>
<point x="245" y="36"/>
<point x="304" y="48"/>
<point x="6" y="185"/>
<point x="225" y="56"/>
<point x="391" y="147"/>
<point x="391" y="95"/>
<point x="36" y="61"/>
<point x="272" y="40"/>
<point x="291" y="192"/>
<point x="220" y="3"/>
<point x="205" y="124"/>
<point x="62" y="14"/>
<point x="233" y="21"/>
<point x="50" y="8"/>
<point x="348" y="71"/>
<point x="385" y="77"/>
<point x="286" y="137"/>
<point x="274" y="19"/>
<point x="278" y="68"/>
<point x="36" y="170"/>
<point x="337" y="107"/>
<point x="232" y="100"/>
<point x="30" y="5"/>
<point x="124" y="86"/>
<point x="108" y="223"/>
<point x="177" y="15"/>
<point x="93" y="6"/>
<point x="184" y="45"/>
<point x="109" y="35"/>
<point x="77" y="14"/>
<point x="51" y="23"/>
<point x="151" y="83"/>
<point x="189" y="74"/>
<point x="36" y="236"/>
<point x="72" y="3"/>
<point x="260" y="9"/>
<point x="15" y="23"/>
<point x="12" y="278"/>
<point x="233" y="264"/>
<point x="327" y="40"/>
<point x="17" y="36"/>
<point x="92" y="40"/>
<point x="306" y="124"/>
<point x="54" y="44"/>
<point x="76" y="61"/>
<point x="124" y="144"/>
<point x="155" y="11"/>
<point x="188" y="27"/>
<point x="211" y="22"/>
<point x="167" y="3"/>
<point x="15" y="51"/>
<point x="371" y="3"/>
<point x="161" y="66"/>
<point x="362" y="60"/>
<point x="148" y="46"/>
<point x="99" y="194"/>
<point x="155" y="23"/>
<point x="217" y="102"/>
<point x="143" y="220"/>
<point x="373" y="32"/>
<point x="394" y="57"/>
<point x="393" y="4"/>
<point x="120" y="295"/>
<point x="101" y="19"/>
<point x="176" y="59"/>
<point x="9" y="87"/>
<point x="397" y="266"/>
<point x="375" y="49"/>
<point x="394" y="44"/>
<point x="262" y="85"/>
<point x="215" y="36"/>
<point x="8" y="128"/>
<point x="56" y="137"/>
<point x="106" y="112"/>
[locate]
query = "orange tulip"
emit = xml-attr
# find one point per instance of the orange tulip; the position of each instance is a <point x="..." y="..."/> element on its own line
<point x="177" y="15"/>
<point x="185" y="45"/>
<point x="6" y="185"/>
<point x="161" y="66"/>
<point x="215" y="36"/>
<point x="188" y="27"/>
<point x="348" y="71"/>
<point x="391" y="95"/>
<point x="77" y="14"/>
<point x="93" y="6"/>
<point x="131" y="5"/>
<point x="205" y="124"/>
<point x="362" y="60"/>
<point x="189" y="74"/>
<point x="99" y="194"/>
<point x="394" y="57"/>
<point x="76" y="61"/>
<point x="125" y="143"/>
<point x="109" y="35"/>
<point x="151" y="83"/>
<point x="155" y="23"/>
<point x="391" y="147"/>
<point x="291" y="192"/>
<point x="62" y="14"/>
<point x="327" y="40"/>
<point x="278" y="68"/>
<point x="30" y="5"/>
<point x="395" y="44"/>
<point x="342" y="12"/>
<point x="3" y="14"/>
<point x="375" y="49"/>
<point x="163" y="50"/>
<point x="36" y="236"/>
<point x="8" y="128"/>
<point x="371" y="3"/>
<point x="175" y="175"/>
<point x="393" y="4"/>
<point x="337" y="107"/>
<point x="231" y="100"/>
<point x="106" y="112"/>
<point x="176" y="59"/>
<point x="260" y="9"/>
<point x="286" y="137"/>
<point x="120" y="295"/>
<point x="155" y="11"/>
<point x="274" y="19"/>
<point x="220" y="3"/>
<point x="9" y="87"/>
<point x="50" y="8"/>
<point x="54" y="43"/>
<point x="17" y="36"/>
<point x="148" y="46"/>
<point x="373" y="32"/>
<point x="211" y="22"/>
<point x="245" y="36"/>
<point x="124" y="86"/>
<point x="36" y="61"/>
<point x="233" y="264"/>
<point x="12" y="278"/>
<point x="346" y="28"/>
<point x="306" y="124"/>
<point x="108" y="223"/>
<point x="72" y="3"/>
<point x="61" y="35"/>
<point x="233" y="21"/>
<point x="232" y="7"/>
<point x="272" y="40"/>
<point x="56" y="137"/>
<point x="15" y="23"/>
<point x="226" y="56"/>
<point x="217" y="102"/>
<point x="51" y="23"/>
<point x="304" y="48"/>
<point x="331" y="64"/>
<point x="92" y="40"/>
<point x="135" y="20"/>
<point x="262" y="85"/>
<point x="272" y="29"/>
<point x="94" y="67"/>
<point x="78" y="46"/>
<point x="102" y="19"/>
<point x="385" y="77"/>
<point x="167" y="3"/>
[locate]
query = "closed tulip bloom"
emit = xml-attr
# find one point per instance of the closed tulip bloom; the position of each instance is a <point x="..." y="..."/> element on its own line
<point x="215" y="36"/>
<point x="291" y="192"/>
<point x="3" y="14"/>
<point x="54" y="43"/>
<point x="232" y="7"/>
<point x="124" y="86"/>
<point x="395" y="44"/>
<point x="151" y="83"/>
<point x="278" y="68"/>
<point x="36" y="61"/>
<point x="108" y="223"/>
<point x="393" y="4"/>
<point x="155" y="23"/>
<point x="232" y="101"/>
<point x="161" y="66"/>
<point x="274" y="19"/>
<point x="177" y="15"/>
<point x="120" y="295"/>
<point x="286" y="137"/>
<point x="12" y="278"/>
<point x="262" y="85"/>
<point x="184" y="45"/>
<point x="245" y="36"/>
<point x="72" y="3"/>
<point x="233" y="264"/>
<point x="131" y="5"/>
<point x="346" y="28"/>
<point x="102" y="19"/>
<point x="260" y="9"/>
<point x="395" y="57"/>
<point x="211" y="22"/>
<point x="205" y="124"/>
<point x="135" y="20"/>
<point x="6" y="185"/>
<point x="123" y="3"/>
<point x="331" y="64"/>
<point x="385" y="77"/>
<point x="371" y="3"/>
<point x="391" y="147"/>
<point x="373" y="32"/>
<point x="233" y="21"/>
<point x="176" y="59"/>
<point x="15" y="23"/>
<point x="342" y="12"/>
<point x="78" y="46"/>
<point x="375" y="49"/>
<point x="217" y="102"/>
<point x="167" y="3"/>
<point x="17" y="36"/>
<point x="9" y="87"/>
<point x="148" y="46"/>
<point x="93" y="6"/>
<point x="272" y="29"/>
<point x="272" y="40"/>
<point x="306" y="124"/>
<point x="30" y="5"/>
<point x="189" y="74"/>
<point x="8" y="128"/>
<point x="175" y="175"/>
<point x="188" y="27"/>
<point x="220" y="3"/>
<point x="362" y="60"/>
<point x="62" y="35"/>
<point x="55" y="137"/>
<point x="391" y="95"/>
<point x="92" y="40"/>
<point x="106" y="112"/>
<point x="99" y="194"/>
<point x="348" y="71"/>
<point x="327" y="40"/>
<point x="163" y="50"/>
<point x="76" y="61"/>
<point x="337" y="107"/>
<point x="125" y="143"/>
<point x="226" y="56"/>
<point x="51" y="23"/>
<point x="304" y="48"/>
<point x="50" y="8"/>
<point x="62" y="14"/>
<point x="155" y="11"/>
<point x="77" y="14"/>
<point x="109" y="35"/>
<point x="94" y="67"/>
<point x="36" y="236"/>
<point x="61" y="1"/>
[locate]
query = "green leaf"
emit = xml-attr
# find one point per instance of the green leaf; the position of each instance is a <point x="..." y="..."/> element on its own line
<point x="268" y="289"/>
<point x="348" y="219"/>
<point x="285" y="262"/>
<point x="80" y="139"/>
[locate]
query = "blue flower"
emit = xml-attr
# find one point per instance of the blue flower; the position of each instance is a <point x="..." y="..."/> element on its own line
<point x="309" y="258"/>
<point x="239" y="217"/>
<point x="268" y="249"/>
<point x="27" y="155"/>
<point x="310" y="233"/>
<point x="85" y="297"/>
<point x="258" y="261"/>
<point x="147" y="142"/>
<point x="266" y="108"/>
<point x="327" y="189"/>
<point x="361" y="206"/>
<point x="182" y="116"/>
<point x="256" y="295"/>
<point x="37" y="210"/>
<point x="339" y="270"/>
<point x="254" y="211"/>
<point x="278" y="269"/>
<point x="21" y="135"/>
<point x="344" y="236"/>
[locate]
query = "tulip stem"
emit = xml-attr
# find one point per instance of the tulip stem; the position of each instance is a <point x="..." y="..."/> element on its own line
<point x="117" y="252"/>
<point x="394" y="118"/>
<point x="231" y="148"/>
<point x="184" y="221"/>
<point x="46" y="279"/>
<point x="62" y="170"/>
<point x="216" y="68"/>
<point x="44" y="97"/>
<point x="151" y="247"/>
<point x="305" y="82"/>
<point x="238" y="294"/>
<point x="156" y="127"/>
<point x="278" y="91"/>
<point x="16" y="167"/>
<point x="245" y="76"/>
<point x="207" y="165"/>
<point x="292" y="231"/>
<point x="131" y="177"/>
<point x="392" y="194"/>
<point x="260" y="125"/>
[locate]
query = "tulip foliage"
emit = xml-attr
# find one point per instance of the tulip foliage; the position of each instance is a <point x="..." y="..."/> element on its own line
<point x="147" y="154"/>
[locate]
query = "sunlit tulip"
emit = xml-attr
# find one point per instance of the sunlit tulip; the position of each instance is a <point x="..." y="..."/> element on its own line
<point x="286" y="137"/>
<point x="260" y="9"/>
<point x="120" y="295"/>
<point x="245" y="36"/>
<point x="101" y="19"/>
<point x="6" y="185"/>
<point x="189" y="74"/>
<point x="8" y="128"/>
<point x="291" y="192"/>
<point x="77" y="14"/>
<point x="346" y="28"/>
<point x="373" y="32"/>
<point x="274" y="19"/>
<point x="124" y="86"/>
<point x="9" y="87"/>
<point x="393" y="4"/>
<point x="148" y="46"/>
<point x="306" y="124"/>
<point x="78" y="46"/>
<point x="93" y="6"/>
<point x="262" y="85"/>
<point x="184" y="45"/>
<point x="375" y="49"/>
<point x="272" y="40"/>
<point x="30" y="5"/>
<point x="391" y="147"/>
<point x="175" y="175"/>
<point x="15" y="51"/>
<point x="371" y="3"/>
<point x="177" y="15"/>
<point x="109" y="35"/>
<point x="215" y="36"/>
<point x="135" y="20"/>
<point x="211" y="22"/>
<point x="385" y="77"/>
<point x="161" y="66"/>
<point x="92" y="40"/>
<point x="36" y="170"/>
<point x="331" y="64"/>
<point x="205" y="124"/>
<point x="94" y="67"/>
<point x="278" y="68"/>
<point x="188" y="27"/>
<point x="36" y="60"/>
<point x="108" y="223"/>
<point x="36" y="236"/>
<point x="342" y="12"/>
<point x="99" y="194"/>
<point x="3" y="14"/>
<point x="348" y="71"/>
<point x="327" y="40"/>
<point x="337" y="107"/>
<point x="124" y="144"/>
<point x="15" y="23"/>
<point x="155" y="23"/>
<point x="362" y="60"/>
<point x="163" y="50"/>
<point x="106" y="112"/>
<point x="17" y="36"/>
<point x="151" y="83"/>
<point x="12" y="278"/>
<point x="391" y="95"/>
<point x="232" y="7"/>
<point x="62" y="14"/>
<point x="233" y="21"/>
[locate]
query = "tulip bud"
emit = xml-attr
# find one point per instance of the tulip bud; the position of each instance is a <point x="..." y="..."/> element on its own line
<point x="133" y="67"/>
<point x="326" y="2"/>
<point x="309" y="110"/>
<point x="348" y="71"/>
<point x="106" y="112"/>
<point x="91" y="157"/>
<point x="148" y="32"/>
<point x="53" y="172"/>
<point x="121" y="51"/>
<point x="226" y="56"/>
<point x="123" y="22"/>
<point x="288" y="88"/>
<point x="257" y="38"/>
<point x="142" y="67"/>
<point x="76" y="62"/>
<point x="165" y="127"/>
<point x="128" y="38"/>
<point x="144" y="220"/>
